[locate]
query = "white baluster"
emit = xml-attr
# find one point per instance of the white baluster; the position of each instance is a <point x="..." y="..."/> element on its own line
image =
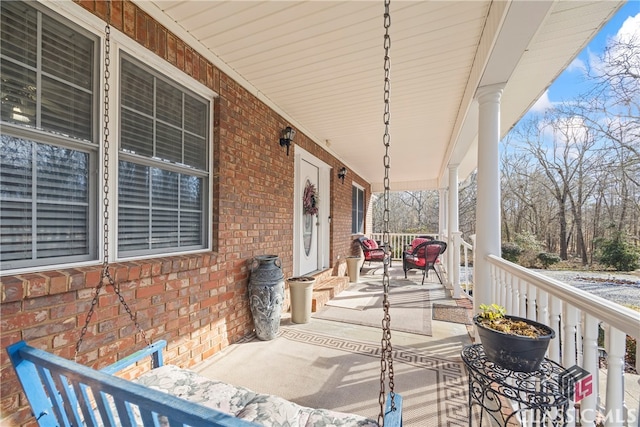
<point x="590" y="363"/>
<point x="614" y="411"/>
<point x="514" y="306"/>
<point x="555" y="308"/>
<point x="543" y="308"/>
<point x="569" y="321"/>
<point x="533" y="305"/>
<point x="457" y="239"/>
<point x="522" y="298"/>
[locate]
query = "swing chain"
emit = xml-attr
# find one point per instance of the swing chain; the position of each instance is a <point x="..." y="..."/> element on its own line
<point x="386" y="356"/>
<point x="105" y="273"/>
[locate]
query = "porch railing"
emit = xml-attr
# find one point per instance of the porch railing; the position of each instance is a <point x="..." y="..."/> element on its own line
<point x="578" y="318"/>
<point x="399" y="241"/>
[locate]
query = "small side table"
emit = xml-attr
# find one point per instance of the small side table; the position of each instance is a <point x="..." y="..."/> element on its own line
<point x="537" y="398"/>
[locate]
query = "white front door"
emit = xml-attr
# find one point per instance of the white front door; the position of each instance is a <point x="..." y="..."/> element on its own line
<point x="311" y="225"/>
<point x="309" y="180"/>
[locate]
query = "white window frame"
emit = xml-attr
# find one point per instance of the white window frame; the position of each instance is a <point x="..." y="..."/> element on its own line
<point x="359" y="188"/>
<point x="119" y="42"/>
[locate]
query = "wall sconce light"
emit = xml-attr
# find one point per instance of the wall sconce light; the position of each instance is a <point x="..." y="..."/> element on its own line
<point x="287" y="137"/>
<point x="342" y="173"/>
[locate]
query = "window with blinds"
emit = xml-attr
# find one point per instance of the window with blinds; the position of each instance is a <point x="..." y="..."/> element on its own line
<point x="163" y="164"/>
<point x="357" y="210"/>
<point x="48" y="150"/>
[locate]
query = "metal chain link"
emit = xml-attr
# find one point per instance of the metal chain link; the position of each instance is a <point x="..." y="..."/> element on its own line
<point x="105" y="273"/>
<point x="386" y="355"/>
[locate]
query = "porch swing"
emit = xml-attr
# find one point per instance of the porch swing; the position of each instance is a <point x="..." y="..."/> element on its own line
<point x="65" y="393"/>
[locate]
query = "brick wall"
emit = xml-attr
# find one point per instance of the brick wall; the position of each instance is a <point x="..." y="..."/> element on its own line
<point x="198" y="303"/>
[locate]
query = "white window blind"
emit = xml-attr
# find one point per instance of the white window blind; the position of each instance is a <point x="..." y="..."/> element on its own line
<point x="163" y="164"/>
<point x="47" y="147"/>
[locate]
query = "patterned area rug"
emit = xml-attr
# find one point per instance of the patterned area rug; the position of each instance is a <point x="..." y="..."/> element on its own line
<point x="323" y="371"/>
<point x="410" y="307"/>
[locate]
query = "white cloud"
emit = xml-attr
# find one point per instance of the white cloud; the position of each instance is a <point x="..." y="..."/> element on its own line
<point x="630" y="29"/>
<point x="542" y="104"/>
<point x="577" y="65"/>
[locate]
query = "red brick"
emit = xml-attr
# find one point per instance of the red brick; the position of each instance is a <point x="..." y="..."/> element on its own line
<point x="129" y="17"/>
<point x="116" y="14"/>
<point x="12" y="289"/>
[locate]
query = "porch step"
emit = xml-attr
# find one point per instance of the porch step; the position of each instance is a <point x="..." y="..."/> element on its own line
<point x="327" y="288"/>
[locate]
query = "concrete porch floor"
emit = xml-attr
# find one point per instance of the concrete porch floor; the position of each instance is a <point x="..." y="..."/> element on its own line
<point x="335" y="365"/>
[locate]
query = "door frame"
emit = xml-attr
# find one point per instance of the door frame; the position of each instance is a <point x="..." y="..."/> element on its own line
<point x="323" y="217"/>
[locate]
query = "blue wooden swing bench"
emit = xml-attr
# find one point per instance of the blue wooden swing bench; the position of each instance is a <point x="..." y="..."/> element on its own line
<point x="65" y="393"/>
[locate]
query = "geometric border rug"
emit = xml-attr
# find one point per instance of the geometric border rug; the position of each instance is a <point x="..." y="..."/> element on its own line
<point x="449" y="379"/>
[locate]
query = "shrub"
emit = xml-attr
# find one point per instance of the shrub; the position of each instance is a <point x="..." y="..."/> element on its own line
<point x="548" y="259"/>
<point x="530" y="249"/>
<point x="618" y="253"/>
<point x="511" y="251"/>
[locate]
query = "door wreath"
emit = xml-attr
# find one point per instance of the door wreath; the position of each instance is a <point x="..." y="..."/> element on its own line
<point x="310" y="199"/>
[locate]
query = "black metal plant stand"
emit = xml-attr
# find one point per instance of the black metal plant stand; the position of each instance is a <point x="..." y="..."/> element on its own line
<point x="535" y="398"/>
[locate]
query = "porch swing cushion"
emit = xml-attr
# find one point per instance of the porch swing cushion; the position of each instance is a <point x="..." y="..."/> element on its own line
<point x="243" y="403"/>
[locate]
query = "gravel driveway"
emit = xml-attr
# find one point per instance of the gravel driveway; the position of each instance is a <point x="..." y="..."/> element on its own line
<point x="622" y="288"/>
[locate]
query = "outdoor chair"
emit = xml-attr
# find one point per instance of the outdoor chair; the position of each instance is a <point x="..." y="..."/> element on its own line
<point x="373" y="252"/>
<point x="422" y="254"/>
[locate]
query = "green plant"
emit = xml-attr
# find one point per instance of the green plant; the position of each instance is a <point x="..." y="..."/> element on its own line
<point x="618" y="253"/>
<point x="548" y="259"/>
<point x="492" y="312"/>
<point x="494" y="317"/>
<point x="511" y="251"/>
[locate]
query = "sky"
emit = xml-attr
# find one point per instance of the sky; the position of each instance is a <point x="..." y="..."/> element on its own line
<point x="571" y="81"/>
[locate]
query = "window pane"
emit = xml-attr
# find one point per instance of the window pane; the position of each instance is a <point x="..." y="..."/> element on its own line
<point x="169" y="143"/>
<point x="50" y="220"/>
<point x="195" y="116"/>
<point x="169" y="103"/>
<point x="15" y="230"/>
<point x="195" y="152"/>
<point x="133" y="229"/>
<point x="19" y="32"/>
<point x="191" y="192"/>
<point x="133" y="186"/>
<point x="18" y="94"/>
<point x="62" y="228"/>
<point x="67" y="54"/>
<point x="136" y="89"/>
<point x="137" y="134"/>
<point x="15" y="168"/>
<point x="190" y="232"/>
<point x="66" y="110"/>
<point x="164" y="188"/>
<point x="164" y="226"/>
<point x="62" y="174"/>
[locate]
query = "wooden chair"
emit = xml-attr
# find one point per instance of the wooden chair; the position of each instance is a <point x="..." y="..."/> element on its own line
<point x="423" y="255"/>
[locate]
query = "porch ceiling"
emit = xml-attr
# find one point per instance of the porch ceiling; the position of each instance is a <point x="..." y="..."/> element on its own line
<point x="320" y="65"/>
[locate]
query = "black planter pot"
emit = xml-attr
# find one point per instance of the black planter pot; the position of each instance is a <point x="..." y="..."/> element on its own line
<point x="515" y="352"/>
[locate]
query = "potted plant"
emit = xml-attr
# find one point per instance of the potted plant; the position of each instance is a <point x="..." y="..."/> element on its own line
<point x="514" y="343"/>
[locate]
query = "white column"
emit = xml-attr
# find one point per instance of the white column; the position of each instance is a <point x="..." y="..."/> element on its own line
<point x="442" y="212"/>
<point x="453" y="221"/>
<point x="488" y="234"/>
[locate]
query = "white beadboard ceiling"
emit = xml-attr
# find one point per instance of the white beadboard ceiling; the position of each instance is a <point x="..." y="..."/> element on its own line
<point x="320" y="64"/>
